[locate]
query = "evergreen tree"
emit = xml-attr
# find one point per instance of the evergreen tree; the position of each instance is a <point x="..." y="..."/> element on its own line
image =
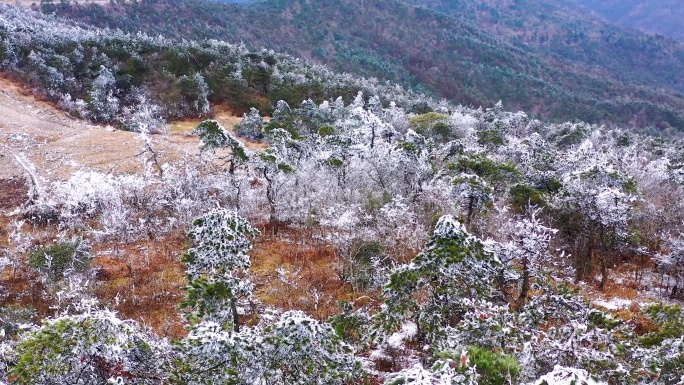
<point x="429" y="291"/>
<point x="216" y="267"/>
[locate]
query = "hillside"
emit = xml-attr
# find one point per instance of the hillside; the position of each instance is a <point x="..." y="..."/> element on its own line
<point x="599" y="75"/>
<point x="136" y="81"/>
<point x="57" y="145"/>
<point x="365" y="235"/>
<point x="654" y="17"/>
<point x="569" y="37"/>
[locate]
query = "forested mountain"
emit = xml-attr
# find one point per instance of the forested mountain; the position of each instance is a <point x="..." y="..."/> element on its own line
<point x="472" y="53"/>
<point x="662" y="17"/>
<point x="560" y="31"/>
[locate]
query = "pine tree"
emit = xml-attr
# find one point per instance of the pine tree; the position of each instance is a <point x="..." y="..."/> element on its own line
<point x="454" y="265"/>
<point x="216" y="267"/>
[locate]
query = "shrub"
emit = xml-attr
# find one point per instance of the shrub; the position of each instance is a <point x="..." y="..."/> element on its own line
<point x="351" y="326"/>
<point x="92" y="348"/>
<point x="57" y="259"/>
<point x="422" y="123"/>
<point x="364" y="264"/>
<point x="668" y="319"/>
<point x="13" y="317"/>
<point x="522" y="195"/>
<point x="490" y="138"/>
<point x="493" y="368"/>
<point x="251" y="126"/>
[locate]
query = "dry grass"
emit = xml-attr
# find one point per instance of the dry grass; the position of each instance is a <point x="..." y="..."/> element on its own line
<point x="308" y="278"/>
<point x="621" y="284"/>
<point x="57" y="144"/>
<point x="620" y="290"/>
<point x="20" y="286"/>
<point x="144" y="283"/>
<point x="143" y="280"/>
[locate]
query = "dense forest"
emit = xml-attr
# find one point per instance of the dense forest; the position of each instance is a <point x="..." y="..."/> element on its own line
<point x="473" y="53"/>
<point x="411" y="240"/>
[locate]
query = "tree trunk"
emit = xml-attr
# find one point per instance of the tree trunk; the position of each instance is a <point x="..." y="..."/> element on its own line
<point x="583" y="267"/>
<point x="524" y="290"/>
<point x="236" y="319"/>
<point x="583" y="264"/>
<point x="604" y="272"/>
<point x="604" y="259"/>
<point x="471" y="208"/>
<point x="501" y="281"/>
<point x="271" y="203"/>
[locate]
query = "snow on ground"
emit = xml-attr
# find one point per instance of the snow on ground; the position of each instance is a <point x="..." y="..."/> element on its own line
<point x="613" y="304"/>
<point x="408" y="331"/>
<point x="567" y="376"/>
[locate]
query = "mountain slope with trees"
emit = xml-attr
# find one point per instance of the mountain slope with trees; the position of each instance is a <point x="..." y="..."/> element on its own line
<point x="597" y="75"/>
<point x="655" y="17"/>
<point x="569" y="37"/>
<point x="456" y="245"/>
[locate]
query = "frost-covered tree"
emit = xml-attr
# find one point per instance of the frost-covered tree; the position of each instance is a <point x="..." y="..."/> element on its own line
<point x="528" y="247"/>
<point x="671" y="262"/>
<point x="213" y="136"/>
<point x="251" y="126"/>
<point x="295" y="349"/>
<point x="216" y="267"/>
<point x="413" y="163"/>
<point x="95" y="347"/>
<point x="595" y="205"/>
<point x="144" y="116"/>
<point x="102" y="100"/>
<point x="582" y="337"/>
<point x="223" y="147"/>
<point x="473" y="196"/>
<point x="478" y="179"/>
<point x="301" y="350"/>
<point x="44" y="75"/>
<point x="446" y="371"/>
<point x="194" y="91"/>
<point x="276" y="165"/>
<point x="454" y="265"/>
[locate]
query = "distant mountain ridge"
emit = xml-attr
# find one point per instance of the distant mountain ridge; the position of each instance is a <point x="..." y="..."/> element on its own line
<point x="662" y="17"/>
<point x="559" y="30"/>
<point x="528" y="53"/>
